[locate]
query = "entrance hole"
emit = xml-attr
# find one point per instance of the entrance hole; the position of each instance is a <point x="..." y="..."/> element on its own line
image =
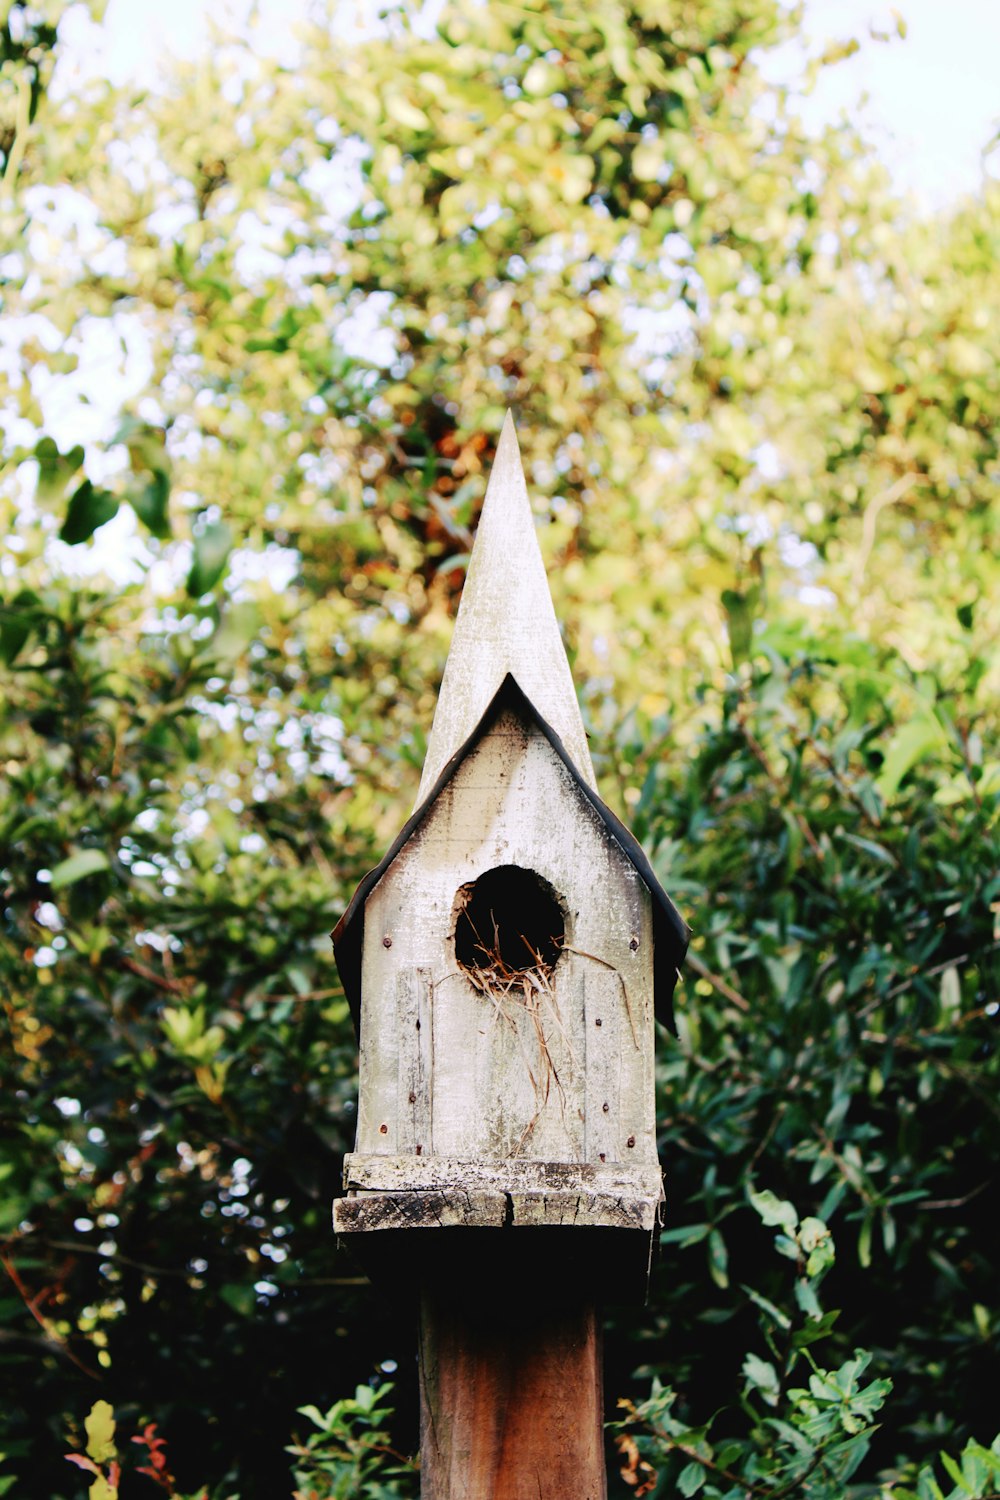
<point x="509" y="924"/>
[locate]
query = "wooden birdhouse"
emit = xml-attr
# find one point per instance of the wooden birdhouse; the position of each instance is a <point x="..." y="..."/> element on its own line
<point x="505" y="961"/>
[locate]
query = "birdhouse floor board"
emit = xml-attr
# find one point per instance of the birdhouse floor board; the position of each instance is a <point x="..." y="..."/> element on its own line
<point x="360" y="1212"/>
<point x="410" y="1173"/>
<point x="450" y="1209"/>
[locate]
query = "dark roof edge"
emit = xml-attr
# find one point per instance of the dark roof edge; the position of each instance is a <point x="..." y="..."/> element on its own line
<point x="671" y="932"/>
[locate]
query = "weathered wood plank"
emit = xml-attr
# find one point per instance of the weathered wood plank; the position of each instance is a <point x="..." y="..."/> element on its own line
<point x="583" y="1210"/>
<point x="413" y="1009"/>
<point x="510" y="1399"/>
<point x="411" y="1173"/>
<point x="448" y="1207"/>
<point x="605" y="1036"/>
<point x="361" y="1212"/>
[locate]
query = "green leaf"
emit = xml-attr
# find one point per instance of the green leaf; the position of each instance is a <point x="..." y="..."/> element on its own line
<point x="739" y="622"/>
<point x="691" y="1478"/>
<point x="718" y="1259"/>
<point x="315" y="1416"/>
<point x="956" y="1474"/>
<point x="685" y="1235"/>
<point x="909" y="745"/>
<point x="782" y="1319"/>
<point x="817" y="1243"/>
<point x="240" y="624"/>
<point x="78" y="866"/>
<point x="951" y="994"/>
<point x="212" y="547"/>
<point x="762" y="1375"/>
<point x="646" y="162"/>
<point x="877" y="851"/>
<point x="365" y="1397"/>
<point x="88" y="509"/>
<point x="55" y="469"/>
<point x="16" y="623"/>
<point x="240" y="1297"/>
<point x="149" y="501"/>
<point x="404" y="113"/>
<point x="100" y="1425"/>
<point x="818" y="1327"/>
<point x="775" y="1211"/>
<point x="805" y="1296"/>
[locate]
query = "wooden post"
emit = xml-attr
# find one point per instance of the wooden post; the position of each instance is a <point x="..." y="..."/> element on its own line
<point x="502" y="963"/>
<point x="511" y="1405"/>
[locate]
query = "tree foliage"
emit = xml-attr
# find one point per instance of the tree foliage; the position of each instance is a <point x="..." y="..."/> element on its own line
<point x="264" y="320"/>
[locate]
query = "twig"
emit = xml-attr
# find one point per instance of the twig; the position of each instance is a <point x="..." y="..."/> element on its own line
<point x="122" y="1260"/>
<point x="935" y="1203"/>
<point x="170" y="986"/>
<point x="732" y="1478"/>
<point x="43" y="1322"/>
<point x="873" y="510"/>
<point x="946" y="963"/>
<point x="759" y="753"/>
<point x="844" y="786"/>
<point x="308" y="995"/>
<point x="717" y="982"/>
<point x="22" y="119"/>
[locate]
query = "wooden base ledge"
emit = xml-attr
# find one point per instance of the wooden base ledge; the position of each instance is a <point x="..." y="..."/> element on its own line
<point x="423" y="1222"/>
<point x="412" y="1192"/>
<point x="454" y="1208"/>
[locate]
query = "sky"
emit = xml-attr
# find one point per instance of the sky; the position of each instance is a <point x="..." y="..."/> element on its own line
<point x="933" y="96"/>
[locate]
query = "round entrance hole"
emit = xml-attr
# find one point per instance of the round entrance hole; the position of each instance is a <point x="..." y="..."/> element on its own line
<point x="509" y="923"/>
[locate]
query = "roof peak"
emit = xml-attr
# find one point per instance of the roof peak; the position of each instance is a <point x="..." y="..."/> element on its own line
<point x="505" y="624"/>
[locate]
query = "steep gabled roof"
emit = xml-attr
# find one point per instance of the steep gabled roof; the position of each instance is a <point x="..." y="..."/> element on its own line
<point x="505" y="623"/>
<point x="670" y="932"/>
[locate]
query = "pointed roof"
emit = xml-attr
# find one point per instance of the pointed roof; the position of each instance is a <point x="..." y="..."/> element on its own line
<point x="670" y="931"/>
<point x="506" y="624"/>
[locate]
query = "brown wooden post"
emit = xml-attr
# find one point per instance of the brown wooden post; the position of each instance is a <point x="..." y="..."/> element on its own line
<point x="503" y="963"/>
<point x="510" y="1399"/>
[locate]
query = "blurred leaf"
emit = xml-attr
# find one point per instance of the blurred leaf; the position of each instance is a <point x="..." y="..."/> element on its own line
<point x="919" y="738"/>
<point x="718" y="1259"/>
<point x="774" y="1211"/>
<point x="17" y="620"/>
<point x="739" y="622"/>
<point x="150" y="500"/>
<point x="88" y="509"/>
<point x="100" y="1425"/>
<point x="212" y="547"/>
<point x="691" y="1478"/>
<point x="55" y="469"/>
<point x="78" y="866"/>
<point x="240" y="1297"/>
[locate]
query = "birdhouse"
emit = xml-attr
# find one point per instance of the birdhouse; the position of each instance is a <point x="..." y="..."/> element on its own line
<point x="505" y="961"/>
